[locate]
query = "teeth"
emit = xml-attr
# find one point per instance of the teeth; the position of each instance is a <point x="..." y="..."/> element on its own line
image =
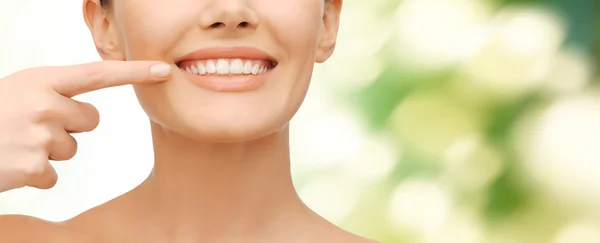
<point x="255" y="69"/>
<point x="222" y="66"/>
<point x="237" y="67"/>
<point x="201" y="68"/>
<point x="248" y="67"/>
<point x="227" y="67"/>
<point x="211" y="67"/>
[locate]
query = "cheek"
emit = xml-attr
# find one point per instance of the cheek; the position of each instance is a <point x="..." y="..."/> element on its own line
<point x="151" y="28"/>
<point x="290" y="28"/>
<point x="150" y="31"/>
<point x="297" y="31"/>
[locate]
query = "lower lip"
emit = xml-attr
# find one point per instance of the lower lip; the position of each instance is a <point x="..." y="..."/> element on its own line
<point x="224" y="83"/>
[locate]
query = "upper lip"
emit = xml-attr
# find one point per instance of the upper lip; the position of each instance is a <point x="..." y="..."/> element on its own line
<point x="241" y="52"/>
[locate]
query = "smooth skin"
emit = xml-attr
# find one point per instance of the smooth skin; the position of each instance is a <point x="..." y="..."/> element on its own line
<point x="37" y="118"/>
<point x="37" y="114"/>
<point x="222" y="164"/>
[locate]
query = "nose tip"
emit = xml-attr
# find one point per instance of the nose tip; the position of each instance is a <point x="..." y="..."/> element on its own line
<point x="233" y="15"/>
<point x="243" y="24"/>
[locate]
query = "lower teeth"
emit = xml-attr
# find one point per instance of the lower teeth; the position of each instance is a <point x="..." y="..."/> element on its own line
<point x="230" y="74"/>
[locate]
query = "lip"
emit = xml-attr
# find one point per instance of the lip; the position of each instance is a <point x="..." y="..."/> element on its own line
<point x="234" y="83"/>
<point x="242" y="52"/>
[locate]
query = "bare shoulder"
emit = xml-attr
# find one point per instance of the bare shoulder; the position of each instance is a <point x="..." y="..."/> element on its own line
<point x="352" y="238"/>
<point x="20" y="228"/>
<point x="333" y="233"/>
<point x="363" y="240"/>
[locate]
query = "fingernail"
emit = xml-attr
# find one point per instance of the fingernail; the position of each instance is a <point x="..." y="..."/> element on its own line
<point x="160" y="70"/>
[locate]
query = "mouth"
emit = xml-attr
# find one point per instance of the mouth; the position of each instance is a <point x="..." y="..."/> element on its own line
<point x="227" y="66"/>
<point x="227" y="69"/>
<point x="227" y="61"/>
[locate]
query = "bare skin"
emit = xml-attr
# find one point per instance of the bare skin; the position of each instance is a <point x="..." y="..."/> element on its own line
<point x="222" y="165"/>
<point x="110" y="224"/>
<point x="132" y="217"/>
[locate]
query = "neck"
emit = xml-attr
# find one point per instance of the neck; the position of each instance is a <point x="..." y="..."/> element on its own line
<point x="220" y="188"/>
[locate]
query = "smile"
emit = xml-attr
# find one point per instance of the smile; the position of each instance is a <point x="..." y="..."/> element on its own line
<point x="227" y="67"/>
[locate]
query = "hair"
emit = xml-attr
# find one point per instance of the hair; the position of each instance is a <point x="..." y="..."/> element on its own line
<point x="104" y="3"/>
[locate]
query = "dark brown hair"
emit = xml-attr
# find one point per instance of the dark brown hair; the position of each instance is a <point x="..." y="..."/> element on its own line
<point x="104" y="3"/>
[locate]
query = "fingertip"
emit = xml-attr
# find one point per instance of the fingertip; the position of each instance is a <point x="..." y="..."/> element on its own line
<point x="161" y="70"/>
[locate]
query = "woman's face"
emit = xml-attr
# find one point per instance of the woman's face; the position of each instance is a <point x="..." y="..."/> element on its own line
<point x="254" y="59"/>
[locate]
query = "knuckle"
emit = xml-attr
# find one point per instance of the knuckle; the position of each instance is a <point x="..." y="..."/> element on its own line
<point x="70" y="148"/>
<point x="50" y="182"/>
<point x="85" y="118"/>
<point x="24" y="78"/>
<point x="27" y="73"/>
<point x="37" y="75"/>
<point x="92" y="114"/>
<point x="35" y="169"/>
<point x="47" y="183"/>
<point x="43" y="111"/>
<point x="43" y="137"/>
<point x="64" y="148"/>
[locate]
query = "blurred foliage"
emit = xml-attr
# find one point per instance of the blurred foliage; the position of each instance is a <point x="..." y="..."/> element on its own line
<point x="456" y="128"/>
<point x="457" y="121"/>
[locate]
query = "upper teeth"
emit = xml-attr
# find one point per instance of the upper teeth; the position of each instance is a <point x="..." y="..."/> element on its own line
<point x="226" y="67"/>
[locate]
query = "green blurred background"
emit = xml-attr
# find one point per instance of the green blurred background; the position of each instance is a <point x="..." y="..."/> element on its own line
<point x="460" y="121"/>
<point x="437" y="121"/>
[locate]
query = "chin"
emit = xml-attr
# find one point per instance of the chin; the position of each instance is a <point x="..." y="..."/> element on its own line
<point x="218" y="117"/>
<point x="227" y="129"/>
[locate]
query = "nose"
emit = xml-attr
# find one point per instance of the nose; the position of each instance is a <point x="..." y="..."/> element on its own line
<point x="229" y="15"/>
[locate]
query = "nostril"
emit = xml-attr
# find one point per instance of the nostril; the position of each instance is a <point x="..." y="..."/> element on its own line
<point x="216" y="25"/>
<point x="243" y="24"/>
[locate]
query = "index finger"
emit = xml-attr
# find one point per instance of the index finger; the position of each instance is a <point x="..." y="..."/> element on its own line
<point x="78" y="79"/>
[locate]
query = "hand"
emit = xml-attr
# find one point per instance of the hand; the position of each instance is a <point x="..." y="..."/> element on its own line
<point x="38" y="114"/>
